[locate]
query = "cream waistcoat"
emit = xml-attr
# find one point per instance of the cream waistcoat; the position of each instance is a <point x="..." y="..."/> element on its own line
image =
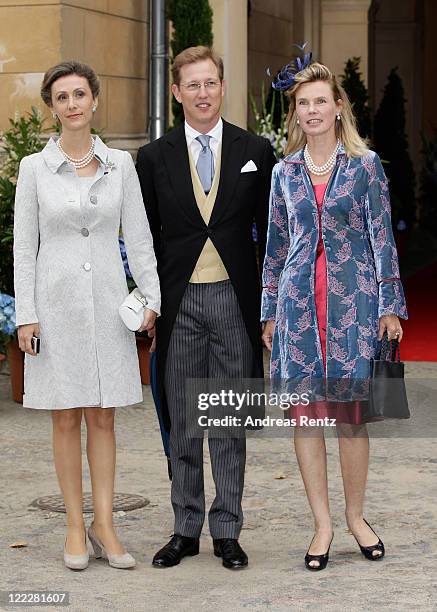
<point x="209" y="267"/>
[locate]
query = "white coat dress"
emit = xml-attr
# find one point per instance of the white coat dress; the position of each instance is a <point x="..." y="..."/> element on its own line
<point x="69" y="277"/>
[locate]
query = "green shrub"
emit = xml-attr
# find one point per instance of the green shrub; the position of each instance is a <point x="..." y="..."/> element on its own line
<point x="24" y="137"/>
<point x="192" y="24"/>
<point x="356" y="90"/>
<point x="390" y="142"/>
<point x="428" y="184"/>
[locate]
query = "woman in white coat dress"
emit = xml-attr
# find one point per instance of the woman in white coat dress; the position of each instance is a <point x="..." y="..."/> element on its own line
<point x="71" y="199"/>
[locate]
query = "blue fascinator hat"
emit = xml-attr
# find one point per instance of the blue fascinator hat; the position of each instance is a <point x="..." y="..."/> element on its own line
<point x="286" y="76"/>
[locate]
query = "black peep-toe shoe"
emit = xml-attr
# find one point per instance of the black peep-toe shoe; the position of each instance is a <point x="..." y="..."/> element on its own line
<point x="321" y="559"/>
<point x="368" y="550"/>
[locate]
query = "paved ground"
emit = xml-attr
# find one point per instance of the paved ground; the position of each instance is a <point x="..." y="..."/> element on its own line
<point x="401" y="505"/>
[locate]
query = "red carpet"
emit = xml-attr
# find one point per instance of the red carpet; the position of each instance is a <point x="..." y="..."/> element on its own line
<point x="420" y="331"/>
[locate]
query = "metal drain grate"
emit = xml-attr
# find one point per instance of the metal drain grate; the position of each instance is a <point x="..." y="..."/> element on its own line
<point x="122" y="501"/>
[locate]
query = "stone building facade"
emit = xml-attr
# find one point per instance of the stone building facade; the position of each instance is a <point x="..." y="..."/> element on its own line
<point x="111" y="35"/>
<point x="251" y="35"/>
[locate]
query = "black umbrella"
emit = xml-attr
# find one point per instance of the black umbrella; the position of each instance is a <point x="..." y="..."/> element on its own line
<point x="164" y="434"/>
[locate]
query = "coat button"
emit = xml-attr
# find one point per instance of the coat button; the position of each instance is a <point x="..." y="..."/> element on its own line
<point x="84" y="232"/>
<point x="209" y="231"/>
<point x="87" y="266"/>
<point x="93" y="199"/>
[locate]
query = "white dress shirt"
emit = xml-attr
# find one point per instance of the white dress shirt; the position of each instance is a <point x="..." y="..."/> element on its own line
<point x="194" y="145"/>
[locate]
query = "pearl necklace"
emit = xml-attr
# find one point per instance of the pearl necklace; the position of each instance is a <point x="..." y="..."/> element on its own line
<point x="326" y="167"/>
<point x="79" y="163"/>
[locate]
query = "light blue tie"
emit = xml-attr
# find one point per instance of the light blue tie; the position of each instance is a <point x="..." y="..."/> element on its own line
<point x="205" y="163"/>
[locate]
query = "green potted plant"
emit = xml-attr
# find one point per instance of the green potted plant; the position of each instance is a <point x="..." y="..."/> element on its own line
<point x="24" y="137"/>
<point x="7" y="323"/>
<point x="9" y="346"/>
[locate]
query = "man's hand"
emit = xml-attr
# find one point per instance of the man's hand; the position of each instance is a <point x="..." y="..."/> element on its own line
<point x="25" y="334"/>
<point x="268" y="331"/>
<point x="152" y="334"/>
<point x="391" y="324"/>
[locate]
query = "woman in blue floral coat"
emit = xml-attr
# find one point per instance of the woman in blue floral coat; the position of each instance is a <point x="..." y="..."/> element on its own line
<point x="331" y="288"/>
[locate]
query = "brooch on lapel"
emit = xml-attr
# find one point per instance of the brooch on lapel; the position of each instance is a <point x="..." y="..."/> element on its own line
<point x="109" y="165"/>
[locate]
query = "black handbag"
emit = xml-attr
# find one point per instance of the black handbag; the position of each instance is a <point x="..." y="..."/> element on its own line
<point x="387" y="392"/>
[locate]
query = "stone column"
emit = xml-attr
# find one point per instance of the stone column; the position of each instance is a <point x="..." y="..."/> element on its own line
<point x="271" y="39"/>
<point x="230" y="41"/>
<point x="344" y="33"/>
<point x="307" y="25"/>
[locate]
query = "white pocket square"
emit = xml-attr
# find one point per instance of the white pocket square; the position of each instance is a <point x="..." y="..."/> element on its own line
<point x="249" y="167"/>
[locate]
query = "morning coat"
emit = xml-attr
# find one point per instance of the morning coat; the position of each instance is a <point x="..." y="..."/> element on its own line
<point x="179" y="231"/>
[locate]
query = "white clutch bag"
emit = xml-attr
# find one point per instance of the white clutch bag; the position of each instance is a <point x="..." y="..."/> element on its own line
<point x="132" y="310"/>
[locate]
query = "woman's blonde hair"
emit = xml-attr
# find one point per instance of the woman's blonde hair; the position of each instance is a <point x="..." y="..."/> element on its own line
<point x="345" y="129"/>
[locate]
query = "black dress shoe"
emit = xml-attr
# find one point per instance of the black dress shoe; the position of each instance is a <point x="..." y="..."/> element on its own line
<point x="231" y="552"/>
<point x="178" y="548"/>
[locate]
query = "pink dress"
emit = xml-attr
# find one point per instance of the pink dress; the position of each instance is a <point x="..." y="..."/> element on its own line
<point x="343" y="412"/>
<point x="320" y="281"/>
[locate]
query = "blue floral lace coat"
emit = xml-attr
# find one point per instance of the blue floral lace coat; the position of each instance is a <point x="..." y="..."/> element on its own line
<point x="362" y="267"/>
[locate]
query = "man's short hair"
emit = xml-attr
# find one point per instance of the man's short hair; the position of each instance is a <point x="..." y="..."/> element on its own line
<point x="193" y="55"/>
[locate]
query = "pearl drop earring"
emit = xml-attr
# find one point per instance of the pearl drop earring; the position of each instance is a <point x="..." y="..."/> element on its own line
<point x="338" y="116"/>
<point x="94" y="109"/>
<point x="298" y="122"/>
<point x="54" y="115"/>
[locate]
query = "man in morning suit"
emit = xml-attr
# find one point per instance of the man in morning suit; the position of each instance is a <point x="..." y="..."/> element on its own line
<point x="203" y="185"/>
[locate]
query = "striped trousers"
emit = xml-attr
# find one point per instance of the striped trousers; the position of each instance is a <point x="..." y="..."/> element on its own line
<point x="209" y="340"/>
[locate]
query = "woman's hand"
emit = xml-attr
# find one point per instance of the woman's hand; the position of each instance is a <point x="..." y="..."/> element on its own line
<point x="148" y="321"/>
<point x="391" y="324"/>
<point x="25" y="334"/>
<point x="267" y="335"/>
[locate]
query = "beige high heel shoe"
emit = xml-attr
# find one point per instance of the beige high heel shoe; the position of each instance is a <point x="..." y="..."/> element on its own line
<point x="124" y="561"/>
<point x="76" y="562"/>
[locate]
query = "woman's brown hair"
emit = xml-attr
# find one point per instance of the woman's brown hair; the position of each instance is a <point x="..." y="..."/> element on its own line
<point x="64" y="69"/>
